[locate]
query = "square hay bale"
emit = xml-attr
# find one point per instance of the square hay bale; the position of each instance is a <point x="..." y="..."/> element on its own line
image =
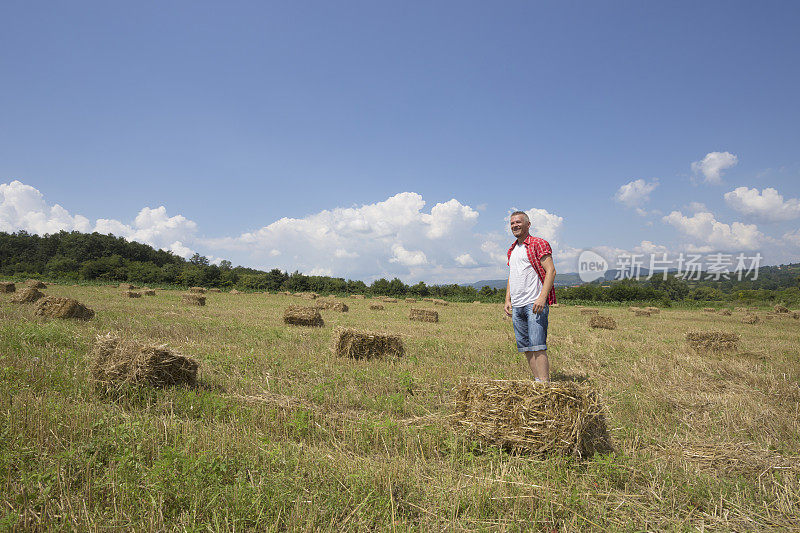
<point x="332" y="305"/>
<point x="441" y="302"/>
<point x="27" y="295"/>
<point x="132" y="294"/>
<point x="589" y="311"/>
<point x="533" y="418"/>
<point x="552" y="306"/>
<point x="750" y="319"/>
<point x="725" y="312"/>
<point x="603" y="322"/>
<point x="365" y="345"/>
<point x="740" y="309"/>
<point x="633" y="308"/>
<point x="7" y="286"/>
<point x="709" y="310"/>
<point x="193" y="298"/>
<point x="126" y="286"/>
<point x="198" y="290"/>
<point x="411" y="300"/>
<point x="390" y="300"/>
<point x="781" y="309"/>
<point x="149" y="292"/>
<point x="642" y="312"/>
<point x="55" y="307"/>
<point x="427" y="300"/>
<point x="234" y="291"/>
<point x="424" y="315"/>
<point x="35" y="284"/>
<point x="357" y="296"/>
<point x="376" y="307"/>
<point x="297" y="315"/>
<point x="116" y="363"/>
<point x="215" y="290"/>
<point x="653" y="310"/>
<point x="712" y="341"/>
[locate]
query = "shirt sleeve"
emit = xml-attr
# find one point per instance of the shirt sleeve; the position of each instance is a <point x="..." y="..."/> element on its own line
<point x="542" y="249"/>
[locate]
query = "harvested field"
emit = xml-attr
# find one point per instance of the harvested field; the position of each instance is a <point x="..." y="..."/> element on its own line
<point x="27" y="295"/>
<point x="234" y="291"/>
<point x="750" y="319"/>
<point x="603" y="322"/>
<point x="641" y="312"/>
<point x="376" y="307"/>
<point x="423" y="315"/>
<point x="366" y="345"/>
<point x="56" y="307"/>
<point x="724" y="312"/>
<point x="712" y="341"/>
<point x="198" y="290"/>
<point x="117" y="363"/>
<point x="7" y="286"/>
<point x="653" y="310"/>
<point x="193" y="298"/>
<point x="589" y="311"/>
<point x="126" y="286"/>
<point x="527" y="417"/>
<point x="35" y="284"/>
<point x="443" y="303"/>
<point x="297" y="315"/>
<point x="132" y="294"/>
<point x="428" y="300"/>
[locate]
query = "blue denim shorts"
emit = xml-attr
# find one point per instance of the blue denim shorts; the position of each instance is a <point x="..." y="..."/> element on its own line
<point x="530" y="328"/>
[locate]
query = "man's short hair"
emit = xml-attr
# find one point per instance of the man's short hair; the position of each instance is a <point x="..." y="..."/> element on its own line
<point x="523" y="213"/>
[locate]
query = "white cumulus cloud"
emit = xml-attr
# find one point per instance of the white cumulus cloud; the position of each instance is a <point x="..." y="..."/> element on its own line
<point x="713" y="164"/>
<point x="636" y="192"/>
<point x="407" y="257"/>
<point x="768" y="204"/>
<point x="23" y="207"/>
<point x="715" y="235"/>
<point x="466" y="260"/>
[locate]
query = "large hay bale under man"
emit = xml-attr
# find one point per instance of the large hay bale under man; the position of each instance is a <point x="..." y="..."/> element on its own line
<point x="603" y="322"/>
<point x="297" y="315"/>
<point x="424" y="315"/>
<point x="532" y="417"/>
<point x="27" y="295"/>
<point x="192" y="298"/>
<point x="35" y="284"/>
<point x="55" y="307"/>
<point x="7" y="286"/>
<point x="365" y="345"/>
<point x="712" y="341"/>
<point x="116" y="363"/>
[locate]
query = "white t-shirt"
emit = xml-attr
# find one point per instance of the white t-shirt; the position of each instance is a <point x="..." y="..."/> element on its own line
<point x="524" y="283"/>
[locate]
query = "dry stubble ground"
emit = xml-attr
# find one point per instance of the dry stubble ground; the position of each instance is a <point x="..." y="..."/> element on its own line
<point x="284" y="435"/>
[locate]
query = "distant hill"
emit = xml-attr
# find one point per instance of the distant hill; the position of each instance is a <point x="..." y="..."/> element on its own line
<point x="562" y="280"/>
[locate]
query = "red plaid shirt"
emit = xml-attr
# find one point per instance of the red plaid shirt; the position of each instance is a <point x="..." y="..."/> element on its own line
<point x="537" y="248"/>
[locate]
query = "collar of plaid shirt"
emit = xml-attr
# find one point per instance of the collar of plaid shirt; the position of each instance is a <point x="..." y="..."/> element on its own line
<point x="537" y="248"/>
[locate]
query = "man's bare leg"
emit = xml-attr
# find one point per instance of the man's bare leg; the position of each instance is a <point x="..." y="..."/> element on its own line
<point x="539" y="364"/>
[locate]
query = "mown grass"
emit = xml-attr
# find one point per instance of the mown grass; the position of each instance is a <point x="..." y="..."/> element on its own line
<point x="281" y="434"/>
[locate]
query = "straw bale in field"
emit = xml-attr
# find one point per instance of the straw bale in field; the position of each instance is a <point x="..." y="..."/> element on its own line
<point x="712" y="341"/>
<point x="750" y="319"/>
<point x="781" y="309"/>
<point x="116" y="362"/>
<point x="285" y="293"/>
<point x="193" y="298"/>
<point x="440" y="302"/>
<point x="7" y="286"/>
<point x="589" y="311"/>
<point x="555" y="305"/>
<point x="709" y="310"/>
<point x="332" y="305"/>
<point x="642" y="312"/>
<point x="653" y="310"/>
<point x="149" y="292"/>
<point x="528" y="417"/>
<point x="297" y="315"/>
<point x="423" y="315"/>
<point x="389" y="300"/>
<point x="27" y="295"/>
<point x="35" y="284"/>
<point x="215" y="290"/>
<point x="740" y="309"/>
<point x="55" y="307"/>
<point x="752" y="308"/>
<point x="132" y="294"/>
<point x="726" y="312"/>
<point x="234" y="291"/>
<point x="365" y="345"/>
<point x="198" y="290"/>
<point x="633" y="308"/>
<point x="357" y="296"/>
<point x="376" y="307"/>
<point x="126" y="286"/>
<point x="427" y="299"/>
<point x="604" y="322"/>
<point x="411" y="300"/>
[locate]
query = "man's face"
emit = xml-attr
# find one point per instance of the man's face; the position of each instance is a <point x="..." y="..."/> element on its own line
<point x="519" y="225"/>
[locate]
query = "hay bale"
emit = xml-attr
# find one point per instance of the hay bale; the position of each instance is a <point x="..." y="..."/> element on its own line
<point x="752" y="308"/>
<point x="423" y="315"/>
<point x="132" y="294"/>
<point x="357" y="296"/>
<point x="725" y="312"/>
<point x="589" y="311"/>
<point x="709" y="310"/>
<point x="553" y="306"/>
<point x="750" y="319"/>
<point x="126" y="286"/>
<point x="35" y="284"/>
<point x="642" y="312"/>
<point x="414" y="300"/>
<point x="712" y="341"/>
<point x="604" y="322"/>
<point x="653" y="310"/>
<point x="27" y="295"/>
<point x="332" y="305"/>
<point x="633" y="308"/>
<point x="116" y="363"/>
<point x="440" y="302"/>
<point x="428" y="300"/>
<point x="390" y="300"/>
<point x="365" y="345"/>
<point x="234" y="291"/>
<point x="149" y="292"/>
<point x="193" y="298"/>
<point x="214" y="290"/>
<point x="376" y="307"/>
<point x="740" y="309"/>
<point x="7" y="286"/>
<point x="781" y="309"/>
<point x="198" y="290"/>
<point x="55" y="307"/>
<point x="528" y="417"/>
<point x="297" y="315"/>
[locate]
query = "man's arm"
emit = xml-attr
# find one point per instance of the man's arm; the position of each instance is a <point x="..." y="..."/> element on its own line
<point x="507" y="307"/>
<point x="547" y="286"/>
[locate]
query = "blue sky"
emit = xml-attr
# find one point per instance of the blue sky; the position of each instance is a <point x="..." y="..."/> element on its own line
<point x="369" y="139"/>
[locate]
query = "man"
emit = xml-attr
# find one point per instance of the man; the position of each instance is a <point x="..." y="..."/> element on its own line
<point x="530" y="293"/>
